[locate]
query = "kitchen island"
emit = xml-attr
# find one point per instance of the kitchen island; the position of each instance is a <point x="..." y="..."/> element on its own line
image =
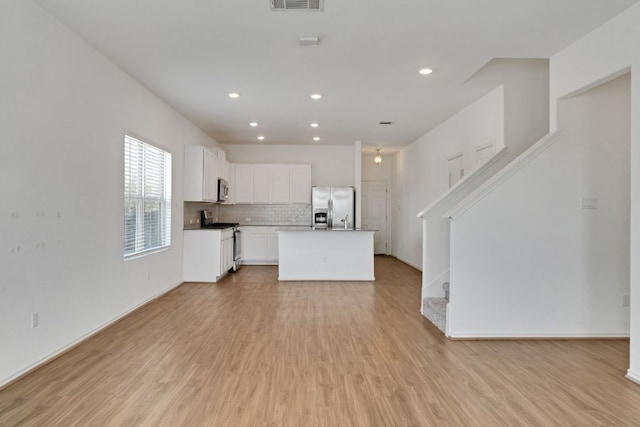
<point x="334" y="254"/>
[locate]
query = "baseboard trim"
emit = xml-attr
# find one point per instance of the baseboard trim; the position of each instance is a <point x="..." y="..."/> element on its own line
<point x="419" y="268"/>
<point x="472" y="337"/>
<point x="259" y="263"/>
<point x="633" y="376"/>
<point x="67" y="348"/>
<point x="326" y="279"/>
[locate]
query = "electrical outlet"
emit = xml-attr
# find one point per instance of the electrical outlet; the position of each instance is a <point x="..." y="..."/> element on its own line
<point x="626" y="300"/>
<point x="35" y="319"/>
<point x="589" y="203"/>
<point x="247" y="220"/>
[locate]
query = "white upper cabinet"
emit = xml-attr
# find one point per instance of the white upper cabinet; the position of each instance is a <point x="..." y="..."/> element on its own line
<point x="301" y="184"/>
<point x="226" y="172"/>
<point x="281" y="184"/>
<point x="222" y="158"/>
<point x="261" y="184"/>
<point x="200" y="174"/>
<point x="230" y="176"/>
<point x="210" y="179"/>
<point x="243" y="183"/>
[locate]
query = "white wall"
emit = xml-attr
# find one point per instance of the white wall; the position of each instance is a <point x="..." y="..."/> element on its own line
<point x="383" y="172"/>
<point x="514" y="115"/>
<point x="331" y="165"/>
<point x="604" y="52"/>
<point x="526" y="259"/>
<point x="63" y="111"/>
<point x="422" y="167"/>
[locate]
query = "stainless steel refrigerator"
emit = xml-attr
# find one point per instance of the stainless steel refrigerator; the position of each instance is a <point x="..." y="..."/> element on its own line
<point x="332" y="207"/>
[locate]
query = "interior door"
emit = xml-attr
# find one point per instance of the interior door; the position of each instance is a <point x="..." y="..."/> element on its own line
<point x="374" y="212"/>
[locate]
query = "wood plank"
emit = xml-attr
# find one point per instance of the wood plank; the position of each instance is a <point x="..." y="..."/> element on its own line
<point x="250" y="350"/>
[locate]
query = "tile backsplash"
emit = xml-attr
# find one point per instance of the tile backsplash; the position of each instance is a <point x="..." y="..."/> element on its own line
<point x="192" y="213"/>
<point x="266" y="214"/>
<point x="248" y="214"/>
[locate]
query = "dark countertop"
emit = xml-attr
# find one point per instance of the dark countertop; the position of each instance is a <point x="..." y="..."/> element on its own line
<point x="219" y="225"/>
<point x="223" y="225"/>
<point x="275" y="225"/>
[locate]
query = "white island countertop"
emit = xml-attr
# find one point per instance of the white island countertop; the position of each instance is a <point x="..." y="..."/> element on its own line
<point x="309" y="228"/>
<point x="325" y="254"/>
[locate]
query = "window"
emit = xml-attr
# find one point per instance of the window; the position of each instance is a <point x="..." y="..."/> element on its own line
<point x="147" y="197"/>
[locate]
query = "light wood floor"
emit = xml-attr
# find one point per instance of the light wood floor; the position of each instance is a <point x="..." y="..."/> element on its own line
<point x="250" y="351"/>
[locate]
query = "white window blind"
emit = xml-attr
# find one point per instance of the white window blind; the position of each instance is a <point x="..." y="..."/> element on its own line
<point x="147" y="197"/>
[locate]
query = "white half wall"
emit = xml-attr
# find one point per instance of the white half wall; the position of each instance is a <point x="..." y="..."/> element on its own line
<point x="527" y="259"/>
<point x="331" y="165"/>
<point x="603" y="53"/>
<point x="63" y="111"/>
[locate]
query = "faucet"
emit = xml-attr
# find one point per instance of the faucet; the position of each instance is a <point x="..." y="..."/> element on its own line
<point x="345" y="221"/>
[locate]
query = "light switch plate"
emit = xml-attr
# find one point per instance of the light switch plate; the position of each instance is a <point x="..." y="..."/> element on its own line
<point x="588" y="203"/>
<point x="35" y="319"/>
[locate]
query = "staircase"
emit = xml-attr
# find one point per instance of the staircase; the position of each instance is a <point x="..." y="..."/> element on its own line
<point x="435" y="309"/>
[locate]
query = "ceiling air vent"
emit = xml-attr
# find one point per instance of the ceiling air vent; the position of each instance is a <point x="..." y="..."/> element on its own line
<point x="310" y="5"/>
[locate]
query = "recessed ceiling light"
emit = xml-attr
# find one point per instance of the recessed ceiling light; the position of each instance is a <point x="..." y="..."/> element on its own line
<point x="425" y="71"/>
<point x="316" y="96"/>
<point x="316" y="138"/>
<point x="261" y="137"/>
<point x="314" y="125"/>
<point x="234" y="95"/>
<point x="253" y="124"/>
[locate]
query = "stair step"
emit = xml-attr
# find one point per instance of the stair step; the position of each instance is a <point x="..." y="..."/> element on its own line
<point x="435" y="309"/>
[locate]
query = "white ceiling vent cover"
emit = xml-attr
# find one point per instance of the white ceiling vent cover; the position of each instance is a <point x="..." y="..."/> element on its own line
<point x="310" y="5"/>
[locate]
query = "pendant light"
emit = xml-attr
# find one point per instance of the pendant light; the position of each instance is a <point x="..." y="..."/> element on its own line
<point x="378" y="158"/>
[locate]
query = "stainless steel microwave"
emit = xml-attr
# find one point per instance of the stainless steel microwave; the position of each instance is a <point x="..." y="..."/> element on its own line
<point x="223" y="190"/>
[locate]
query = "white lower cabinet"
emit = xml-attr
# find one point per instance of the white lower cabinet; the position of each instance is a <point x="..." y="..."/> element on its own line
<point x="272" y="245"/>
<point x="208" y="254"/>
<point x="259" y="245"/>
<point x="226" y="257"/>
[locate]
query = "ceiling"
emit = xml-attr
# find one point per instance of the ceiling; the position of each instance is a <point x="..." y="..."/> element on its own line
<point x="193" y="53"/>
